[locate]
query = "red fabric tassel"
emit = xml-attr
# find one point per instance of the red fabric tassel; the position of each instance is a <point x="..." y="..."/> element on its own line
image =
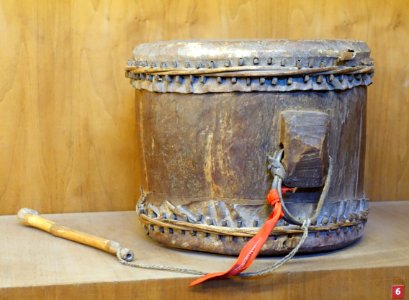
<point x="252" y="248"/>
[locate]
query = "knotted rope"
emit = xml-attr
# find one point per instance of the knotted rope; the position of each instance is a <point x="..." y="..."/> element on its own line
<point x="253" y="247"/>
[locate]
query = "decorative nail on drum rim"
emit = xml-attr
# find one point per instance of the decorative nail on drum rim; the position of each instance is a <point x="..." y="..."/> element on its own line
<point x="212" y="115"/>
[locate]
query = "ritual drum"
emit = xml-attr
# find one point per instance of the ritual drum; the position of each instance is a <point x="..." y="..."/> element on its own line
<point x="218" y="120"/>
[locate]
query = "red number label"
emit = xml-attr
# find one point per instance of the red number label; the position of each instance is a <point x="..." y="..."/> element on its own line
<point x="398" y="291"/>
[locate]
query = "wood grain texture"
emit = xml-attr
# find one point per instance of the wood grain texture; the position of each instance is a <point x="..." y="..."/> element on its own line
<point x="59" y="269"/>
<point x="210" y="168"/>
<point x="67" y="130"/>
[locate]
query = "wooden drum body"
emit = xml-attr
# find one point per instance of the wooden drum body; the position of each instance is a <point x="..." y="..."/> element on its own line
<point x="209" y="114"/>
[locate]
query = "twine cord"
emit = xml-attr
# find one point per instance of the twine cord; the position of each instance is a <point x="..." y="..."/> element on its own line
<point x="278" y="172"/>
<point x="156" y="267"/>
<point x="283" y="260"/>
<point x="261" y="272"/>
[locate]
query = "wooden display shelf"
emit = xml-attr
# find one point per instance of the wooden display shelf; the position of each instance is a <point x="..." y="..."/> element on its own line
<point x="36" y="265"/>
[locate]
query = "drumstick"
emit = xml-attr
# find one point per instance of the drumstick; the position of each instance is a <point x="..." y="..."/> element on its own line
<point x="31" y="217"/>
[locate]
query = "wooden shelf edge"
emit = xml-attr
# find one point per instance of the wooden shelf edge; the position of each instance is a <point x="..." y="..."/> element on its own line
<point x="369" y="283"/>
<point x="35" y="265"/>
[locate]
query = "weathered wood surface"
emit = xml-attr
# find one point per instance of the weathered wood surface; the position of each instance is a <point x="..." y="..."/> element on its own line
<point x="206" y="162"/>
<point x="211" y="146"/>
<point x="304" y="136"/>
<point x="35" y="265"/>
<point x="67" y="112"/>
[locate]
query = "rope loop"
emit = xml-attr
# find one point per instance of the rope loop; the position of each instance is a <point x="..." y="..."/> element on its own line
<point x="278" y="172"/>
<point x="261" y="272"/>
<point x="274" y="164"/>
<point x="306" y="224"/>
<point x="250" y="251"/>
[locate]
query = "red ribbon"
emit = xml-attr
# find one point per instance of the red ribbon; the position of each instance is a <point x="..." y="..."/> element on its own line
<point x="253" y="246"/>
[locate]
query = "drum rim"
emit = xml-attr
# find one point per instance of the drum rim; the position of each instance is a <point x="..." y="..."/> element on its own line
<point x="190" y="49"/>
<point x="203" y="66"/>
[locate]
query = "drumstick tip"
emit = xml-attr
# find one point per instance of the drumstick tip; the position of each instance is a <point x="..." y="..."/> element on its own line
<point x="24" y="212"/>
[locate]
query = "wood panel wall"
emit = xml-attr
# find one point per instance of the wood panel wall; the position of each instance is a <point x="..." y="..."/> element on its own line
<point x="67" y="128"/>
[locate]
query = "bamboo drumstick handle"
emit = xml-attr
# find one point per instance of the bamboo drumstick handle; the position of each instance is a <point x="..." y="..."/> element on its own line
<point x="31" y="217"/>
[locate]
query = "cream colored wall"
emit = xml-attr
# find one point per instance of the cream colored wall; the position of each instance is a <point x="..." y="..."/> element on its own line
<point x="67" y="128"/>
